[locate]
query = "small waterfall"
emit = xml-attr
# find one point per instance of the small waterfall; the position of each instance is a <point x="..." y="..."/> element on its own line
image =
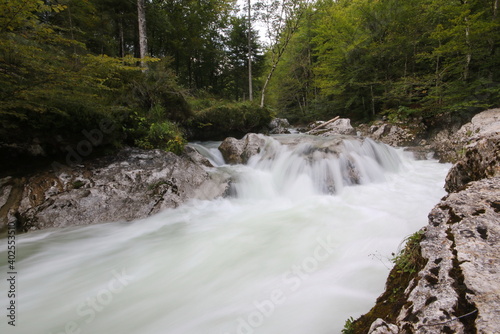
<point x="282" y="256"/>
<point x="316" y="166"/>
<point x="209" y="150"/>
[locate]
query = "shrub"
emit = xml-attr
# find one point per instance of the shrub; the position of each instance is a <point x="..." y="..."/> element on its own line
<point x="157" y="88"/>
<point x="165" y="135"/>
<point x="409" y="259"/>
<point x="224" y="119"/>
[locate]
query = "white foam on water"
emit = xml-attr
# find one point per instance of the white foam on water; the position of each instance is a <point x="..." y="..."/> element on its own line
<point x="287" y="254"/>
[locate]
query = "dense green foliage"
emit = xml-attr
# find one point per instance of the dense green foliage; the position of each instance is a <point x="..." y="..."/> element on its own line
<point x="364" y="58"/>
<point x="217" y="119"/>
<point x="67" y="66"/>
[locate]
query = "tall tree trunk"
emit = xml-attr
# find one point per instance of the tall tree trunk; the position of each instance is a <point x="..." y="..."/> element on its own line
<point x="276" y="59"/>
<point x="143" y="40"/>
<point x="121" y="37"/>
<point x="286" y="29"/>
<point x="493" y="42"/>
<point x="468" y="56"/>
<point x="71" y="28"/>
<point x="250" y="85"/>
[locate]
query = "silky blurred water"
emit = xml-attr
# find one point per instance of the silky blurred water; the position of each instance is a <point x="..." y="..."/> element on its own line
<point x="283" y="255"/>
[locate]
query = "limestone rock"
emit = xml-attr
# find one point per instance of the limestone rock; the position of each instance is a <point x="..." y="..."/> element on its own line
<point x="392" y="135"/>
<point x="382" y="327"/>
<point x="130" y="185"/>
<point x="278" y="126"/>
<point x="237" y="151"/>
<point x="342" y="126"/>
<point x="451" y="144"/>
<point x="462" y="245"/>
<point x="480" y="150"/>
<point x="481" y="160"/>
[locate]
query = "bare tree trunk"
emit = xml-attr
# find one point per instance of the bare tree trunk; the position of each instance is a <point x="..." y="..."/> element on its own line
<point x="285" y="33"/>
<point x="276" y="60"/>
<point x="143" y="40"/>
<point x="71" y="28"/>
<point x="373" y="100"/>
<point x="268" y="78"/>
<point x="493" y="42"/>
<point x="122" y="37"/>
<point x="468" y="56"/>
<point x="250" y="84"/>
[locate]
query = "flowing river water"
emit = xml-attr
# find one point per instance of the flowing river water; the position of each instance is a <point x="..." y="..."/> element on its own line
<point x="298" y="248"/>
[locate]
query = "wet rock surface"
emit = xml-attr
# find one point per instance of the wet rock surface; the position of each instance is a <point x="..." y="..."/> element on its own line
<point x="458" y="288"/>
<point x="390" y="134"/>
<point x="239" y="151"/>
<point x="130" y="185"/>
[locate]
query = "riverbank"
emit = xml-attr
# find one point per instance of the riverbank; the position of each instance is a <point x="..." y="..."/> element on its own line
<point x="449" y="279"/>
<point x="444" y="269"/>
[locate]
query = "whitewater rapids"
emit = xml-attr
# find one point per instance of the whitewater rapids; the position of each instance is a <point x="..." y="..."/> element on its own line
<point x="283" y="254"/>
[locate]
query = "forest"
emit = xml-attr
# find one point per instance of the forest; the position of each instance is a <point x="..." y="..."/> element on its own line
<point x="167" y="71"/>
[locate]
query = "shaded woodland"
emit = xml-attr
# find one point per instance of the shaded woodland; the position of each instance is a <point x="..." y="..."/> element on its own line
<point x="163" y="72"/>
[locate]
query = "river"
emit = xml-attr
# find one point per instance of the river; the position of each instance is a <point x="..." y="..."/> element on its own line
<point x="297" y="248"/>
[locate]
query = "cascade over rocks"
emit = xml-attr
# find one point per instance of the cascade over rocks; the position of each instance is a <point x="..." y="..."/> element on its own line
<point x="131" y="185"/>
<point x="240" y="151"/>
<point x="329" y="163"/>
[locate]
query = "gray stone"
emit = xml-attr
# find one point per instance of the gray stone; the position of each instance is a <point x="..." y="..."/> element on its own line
<point x="451" y="144"/>
<point x="382" y="327"/>
<point x="342" y="126"/>
<point x="131" y="185"/>
<point x="392" y="135"/>
<point x="478" y="143"/>
<point x="237" y="151"/>
<point x="278" y="126"/>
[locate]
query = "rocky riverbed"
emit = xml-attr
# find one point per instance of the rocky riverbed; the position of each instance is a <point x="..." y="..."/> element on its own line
<point x="452" y="286"/>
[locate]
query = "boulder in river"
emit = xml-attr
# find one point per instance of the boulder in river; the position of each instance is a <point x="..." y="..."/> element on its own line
<point x="239" y="151"/>
<point x="278" y="126"/>
<point x="450" y="144"/>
